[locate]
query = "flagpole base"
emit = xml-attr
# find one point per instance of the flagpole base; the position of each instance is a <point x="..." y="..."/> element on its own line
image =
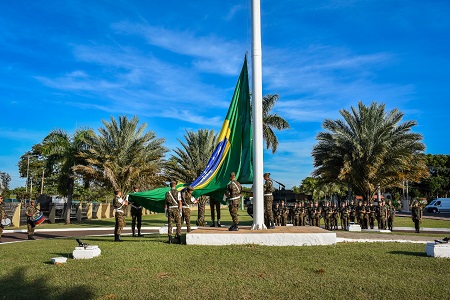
<point x="259" y="226"/>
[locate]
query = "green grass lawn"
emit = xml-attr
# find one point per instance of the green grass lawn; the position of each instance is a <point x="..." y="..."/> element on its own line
<point x="149" y="268"/>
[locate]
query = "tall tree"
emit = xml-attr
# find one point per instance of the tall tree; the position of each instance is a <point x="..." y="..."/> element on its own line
<point x="369" y="148"/>
<point x="190" y="160"/>
<point x="122" y="154"/>
<point x="271" y="121"/>
<point x="61" y="152"/>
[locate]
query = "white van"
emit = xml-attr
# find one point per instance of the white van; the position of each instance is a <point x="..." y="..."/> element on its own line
<point x="439" y="205"/>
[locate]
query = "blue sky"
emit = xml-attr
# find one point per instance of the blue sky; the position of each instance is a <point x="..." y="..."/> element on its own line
<point x="174" y="64"/>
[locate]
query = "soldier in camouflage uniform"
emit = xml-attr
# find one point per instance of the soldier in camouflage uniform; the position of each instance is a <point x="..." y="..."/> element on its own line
<point x="372" y="215"/>
<point x="284" y="211"/>
<point x="2" y="216"/>
<point x="215" y="208"/>
<point x="277" y="213"/>
<point x="360" y="209"/>
<point x="310" y="211"/>
<point x="317" y="214"/>
<point x="173" y="208"/>
<point x="297" y="213"/>
<point x="345" y="216"/>
<point x="233" y="194"/>
<point x="326" y="213"/>
<point x="416" y="214"/>
<point x="302" y="214"/>
<point x="30" y="211"/>
<point x="268" y="201"/>
<point x="352" y="207"/>
<point x="382" y="215"/>
<point x="390" y="215"/>
<point x="119" y="205"/>
<point x="187" y="199"/>
<point x="334" y="217"/>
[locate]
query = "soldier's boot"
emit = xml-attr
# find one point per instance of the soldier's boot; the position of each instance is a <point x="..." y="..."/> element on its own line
<point x="177" y="239"/>
<point x="117" y="238"/>
<point x="213" y="224"/>
<point x="233" y="228"/>
<point x="30" y="237"/>
<point x="139" y="233"/>
<point x="133" y="233"/>
<point x="272" y="225"/>
<point x="218" y="223"/>
<point x="170" y="239"/>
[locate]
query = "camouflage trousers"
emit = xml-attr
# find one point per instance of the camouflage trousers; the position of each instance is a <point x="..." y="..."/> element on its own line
<point x="1" y="231"/>
<point x="233" y="207"/>
<point x="382" y="223"/>
<point x="371" y="222"/>
<point x="268" y="212"/>
<point x="390" y="222"/>
<point x="201" y="212"/>
<point x="120" y="223"/>
<point x="174" y="216"/>
<point x="302" y="220"/>
<point x="30" y="227"/>
<point x="296" y="220"/>
<point x="344" y="223"/>
<point x="186" y="218"/>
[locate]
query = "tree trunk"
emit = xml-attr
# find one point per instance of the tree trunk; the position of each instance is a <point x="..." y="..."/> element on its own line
<point x="70" y="185"/>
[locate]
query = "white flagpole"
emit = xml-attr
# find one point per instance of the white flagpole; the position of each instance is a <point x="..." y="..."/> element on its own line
<point x="258" y="161"/>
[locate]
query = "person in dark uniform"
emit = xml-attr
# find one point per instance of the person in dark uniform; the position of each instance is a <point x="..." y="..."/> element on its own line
<point x="268" y="202"/>
<point x="416" y="214"/>
<point x="174" y="209"/>
<point x="233" y="194"/>
<point x="382" y="215"/>
<point x="136" y="216"/>
<point x="119" y="205"/>
<point x="30" y="211"/>
<point x="214" y="204"/>
<point x="372" y="215"/>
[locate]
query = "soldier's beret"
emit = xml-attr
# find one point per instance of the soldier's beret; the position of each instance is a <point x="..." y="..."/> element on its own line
<point x="232" y="174"/>
<point x="173" y="182"/>
<point x="266" y="174"/>
<point x="190" y="188"/>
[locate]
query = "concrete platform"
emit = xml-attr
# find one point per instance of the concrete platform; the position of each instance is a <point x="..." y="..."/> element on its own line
<point x="280" y="236"/>
<point x="438" y="250"/>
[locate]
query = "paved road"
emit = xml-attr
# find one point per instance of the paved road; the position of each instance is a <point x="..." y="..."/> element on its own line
<point x="21" y="235"/>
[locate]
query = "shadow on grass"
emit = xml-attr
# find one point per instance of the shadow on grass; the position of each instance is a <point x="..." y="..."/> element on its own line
<point x="19" y="286"/>
<point x="409" y="253"/>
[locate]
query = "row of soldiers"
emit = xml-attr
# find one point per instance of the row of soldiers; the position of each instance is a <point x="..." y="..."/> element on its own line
<point x="364" y="214"/>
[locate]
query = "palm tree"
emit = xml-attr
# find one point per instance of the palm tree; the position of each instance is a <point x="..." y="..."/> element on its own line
<point x="122" y="155"/>
<point x="61" y="153"/>
<point x="369" y="149"/>
<point x="271" y="121"/>
<point x="191" y="159"/>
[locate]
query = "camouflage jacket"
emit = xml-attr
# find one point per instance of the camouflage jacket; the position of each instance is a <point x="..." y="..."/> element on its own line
<point x="234" y="189"/>
<point x="172" y="197"/>
<point x="186" y="198"/>
<point x="30" y="211"/>
<point x="268" y="187"/>
<point x="2" y="212"/>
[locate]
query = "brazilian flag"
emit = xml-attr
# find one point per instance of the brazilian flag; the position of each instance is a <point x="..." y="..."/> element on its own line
<point x="233" y="153"/>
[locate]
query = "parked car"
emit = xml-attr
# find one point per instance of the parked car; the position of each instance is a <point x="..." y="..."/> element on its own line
<point x="438" y="205"/>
